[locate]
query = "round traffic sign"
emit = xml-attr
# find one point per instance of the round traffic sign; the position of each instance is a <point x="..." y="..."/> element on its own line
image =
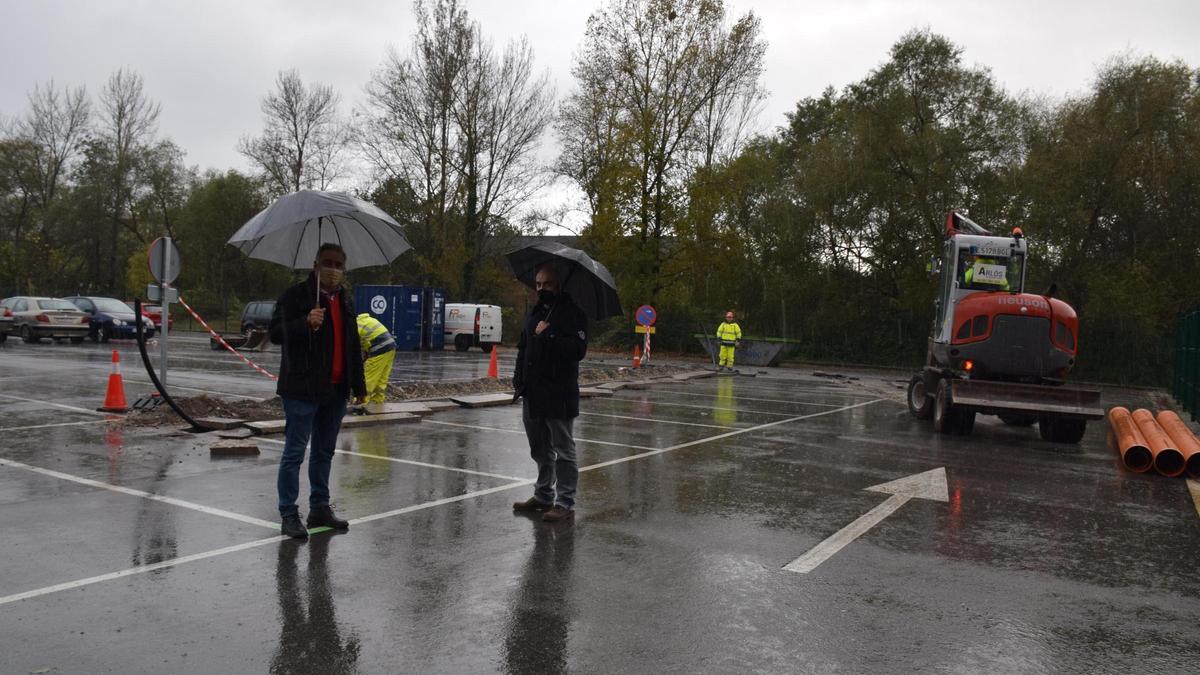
<point x="646" y="316"/>
<point x="163" y="257"/>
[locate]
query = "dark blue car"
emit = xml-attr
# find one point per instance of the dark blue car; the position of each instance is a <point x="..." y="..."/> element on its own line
<point x="111" y="318"/>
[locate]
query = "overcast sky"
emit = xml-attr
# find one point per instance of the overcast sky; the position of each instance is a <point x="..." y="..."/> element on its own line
<point x="209" y="63"/>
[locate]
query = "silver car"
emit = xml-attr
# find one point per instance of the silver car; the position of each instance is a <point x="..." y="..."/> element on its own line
<point x="37" y="318"/>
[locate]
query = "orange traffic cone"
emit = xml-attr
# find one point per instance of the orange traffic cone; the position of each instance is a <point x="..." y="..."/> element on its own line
<point x="493" y="369"/>
<point x="114" y="398"/>
<point x="637" y="356"/>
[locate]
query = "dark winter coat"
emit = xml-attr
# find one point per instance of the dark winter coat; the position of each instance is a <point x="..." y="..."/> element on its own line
<point x="307" y="363"/>
<point x="547" y="373"/>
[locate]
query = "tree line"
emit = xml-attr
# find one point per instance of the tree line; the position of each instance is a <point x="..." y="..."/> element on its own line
<point x="818" y="230"/>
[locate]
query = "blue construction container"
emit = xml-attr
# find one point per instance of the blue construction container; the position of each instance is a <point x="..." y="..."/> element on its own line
<point x="434" y="337"/>
<point x="398" y="308"/>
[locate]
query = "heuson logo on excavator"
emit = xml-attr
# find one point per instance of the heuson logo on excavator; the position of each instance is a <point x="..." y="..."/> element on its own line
<point x="1025" y="301"/>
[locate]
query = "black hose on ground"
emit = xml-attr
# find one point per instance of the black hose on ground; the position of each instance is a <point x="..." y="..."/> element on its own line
<point x="141" y="340"/>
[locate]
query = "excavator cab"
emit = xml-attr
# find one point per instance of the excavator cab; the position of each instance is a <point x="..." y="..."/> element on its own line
<point x="975" y="263"/>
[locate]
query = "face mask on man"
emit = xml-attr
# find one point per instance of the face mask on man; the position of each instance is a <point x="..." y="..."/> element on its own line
<point x="331" y="277"/>
<point x="546" y="296"/>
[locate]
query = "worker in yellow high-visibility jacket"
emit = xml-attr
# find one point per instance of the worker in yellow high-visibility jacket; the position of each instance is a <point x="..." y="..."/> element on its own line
<point x="379" y="352"/>
<point x="728" y="336"/>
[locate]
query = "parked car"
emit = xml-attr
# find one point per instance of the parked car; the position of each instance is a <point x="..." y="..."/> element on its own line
<point x="6" y="318"/>
<point x="469" y="325"/>
<point x="36" y="318"/>
<point x="257" y="314"/>
<point x="110" y="318"/>
<point x="154" y="313"/>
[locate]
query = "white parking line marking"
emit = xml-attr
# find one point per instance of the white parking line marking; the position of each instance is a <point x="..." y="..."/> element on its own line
<point x="79" y="583"/>
<point x="522" y="432"/>
<point x="56" y="424"/>
<point x="741" y="398"/>
<point x="724" y="435"/>
<point x="55" y="405"/>
<point x="698" y="407"/>
<point x="658" y="421"/>
<point x="387" y="514"/>
<point x="139" y="493"/>
<point x="413" y="462"/>
<point x="439" y="502"/>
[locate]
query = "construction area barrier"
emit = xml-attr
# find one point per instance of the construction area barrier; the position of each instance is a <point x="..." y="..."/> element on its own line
<point x="114" y="395"/>
<point x="217" y="336"/>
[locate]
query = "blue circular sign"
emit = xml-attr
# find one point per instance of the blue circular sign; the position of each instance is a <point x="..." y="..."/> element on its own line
<point x="646" y="316"/>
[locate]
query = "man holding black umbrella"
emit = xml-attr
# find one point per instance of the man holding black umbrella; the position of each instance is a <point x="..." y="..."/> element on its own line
<point x="552" y="343"/>
<point x="320" y="368"/>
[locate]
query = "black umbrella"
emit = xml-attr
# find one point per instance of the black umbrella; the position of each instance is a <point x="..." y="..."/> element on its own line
<point x="588" y="282"/>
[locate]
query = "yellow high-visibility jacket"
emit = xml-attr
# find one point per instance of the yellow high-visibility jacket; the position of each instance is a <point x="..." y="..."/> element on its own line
<point x="374" y="337"/>
<point x="728" y="333"/>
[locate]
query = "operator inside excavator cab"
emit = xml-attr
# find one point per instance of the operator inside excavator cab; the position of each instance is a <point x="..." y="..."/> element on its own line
<point x="986" y="272"/>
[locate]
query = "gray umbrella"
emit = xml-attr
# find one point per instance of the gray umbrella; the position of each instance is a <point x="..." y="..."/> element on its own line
<point x="289" y="231"/>
<point x="588" y="282"/>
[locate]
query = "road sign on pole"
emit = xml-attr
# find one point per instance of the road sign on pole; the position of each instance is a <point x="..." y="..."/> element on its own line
<point x="646" y="316"/>
<point x="163" y="258"/>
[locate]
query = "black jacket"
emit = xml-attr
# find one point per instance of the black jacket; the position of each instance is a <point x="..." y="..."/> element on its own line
<point x="307" y="362"/>
<point x="547" y="373"/>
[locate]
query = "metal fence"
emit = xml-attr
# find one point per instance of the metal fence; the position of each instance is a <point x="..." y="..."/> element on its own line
<point x="1186" y="384"/>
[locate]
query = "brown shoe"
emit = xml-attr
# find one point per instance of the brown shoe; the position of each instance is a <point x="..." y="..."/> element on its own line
<point x="558" y="513"/>
<point x="531" y="504"/>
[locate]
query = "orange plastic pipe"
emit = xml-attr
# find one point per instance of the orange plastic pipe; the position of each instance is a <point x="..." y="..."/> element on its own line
<point x="1135" y="453"/>
<point x="1167" y="459"/>
<point x="1184" y="439"/>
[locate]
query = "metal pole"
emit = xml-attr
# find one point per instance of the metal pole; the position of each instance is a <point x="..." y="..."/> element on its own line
<point x="164" y="304"/>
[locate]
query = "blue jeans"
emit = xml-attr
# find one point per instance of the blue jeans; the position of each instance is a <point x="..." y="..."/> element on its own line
<point x="553" y="450"/>
<point x="321" y="422"/>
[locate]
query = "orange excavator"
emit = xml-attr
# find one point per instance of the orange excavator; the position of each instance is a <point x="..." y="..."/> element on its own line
<point x="995" y="349"/>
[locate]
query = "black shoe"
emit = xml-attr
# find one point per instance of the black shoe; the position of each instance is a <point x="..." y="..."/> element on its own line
<point x="322" y="516"/>
<point x="531" y="504"/>
<point x="292" y="527"/>
<point x="557" y="514"/>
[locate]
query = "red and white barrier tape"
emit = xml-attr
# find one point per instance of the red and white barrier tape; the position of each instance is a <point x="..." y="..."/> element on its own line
<point x="223" y="343"/>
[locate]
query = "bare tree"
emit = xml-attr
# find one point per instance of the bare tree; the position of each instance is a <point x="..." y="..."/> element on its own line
<point x="127" y="126"/>
<point x="501" y="110"/>
<point x="303" y="139"/>
<point x="55" y="124"/>
<point x="461" y="125"/>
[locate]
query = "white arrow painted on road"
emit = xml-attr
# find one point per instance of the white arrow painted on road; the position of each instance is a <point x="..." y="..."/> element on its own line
<point x="925" y="485"/>
<point x="1194" y="488"/>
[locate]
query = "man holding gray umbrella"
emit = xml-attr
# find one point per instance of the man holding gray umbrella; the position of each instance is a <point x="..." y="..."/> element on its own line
<point x="315" y="322"/>
<point x="321" y="366"/>
<point x="571" y="287"/>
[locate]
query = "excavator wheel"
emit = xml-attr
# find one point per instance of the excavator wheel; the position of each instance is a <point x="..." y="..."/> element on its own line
<point x="920" y="404"/>
<point x="1062" y="429"/>
<point x="949" y="418"/>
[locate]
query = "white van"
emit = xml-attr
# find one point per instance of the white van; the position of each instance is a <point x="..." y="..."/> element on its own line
<point x="470" y="325"/>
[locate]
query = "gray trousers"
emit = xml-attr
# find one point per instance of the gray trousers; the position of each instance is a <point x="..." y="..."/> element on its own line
<point x="552" y="447"/>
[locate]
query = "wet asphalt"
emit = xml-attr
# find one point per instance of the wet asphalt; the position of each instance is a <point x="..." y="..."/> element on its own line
<point x="131" y="550"/>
